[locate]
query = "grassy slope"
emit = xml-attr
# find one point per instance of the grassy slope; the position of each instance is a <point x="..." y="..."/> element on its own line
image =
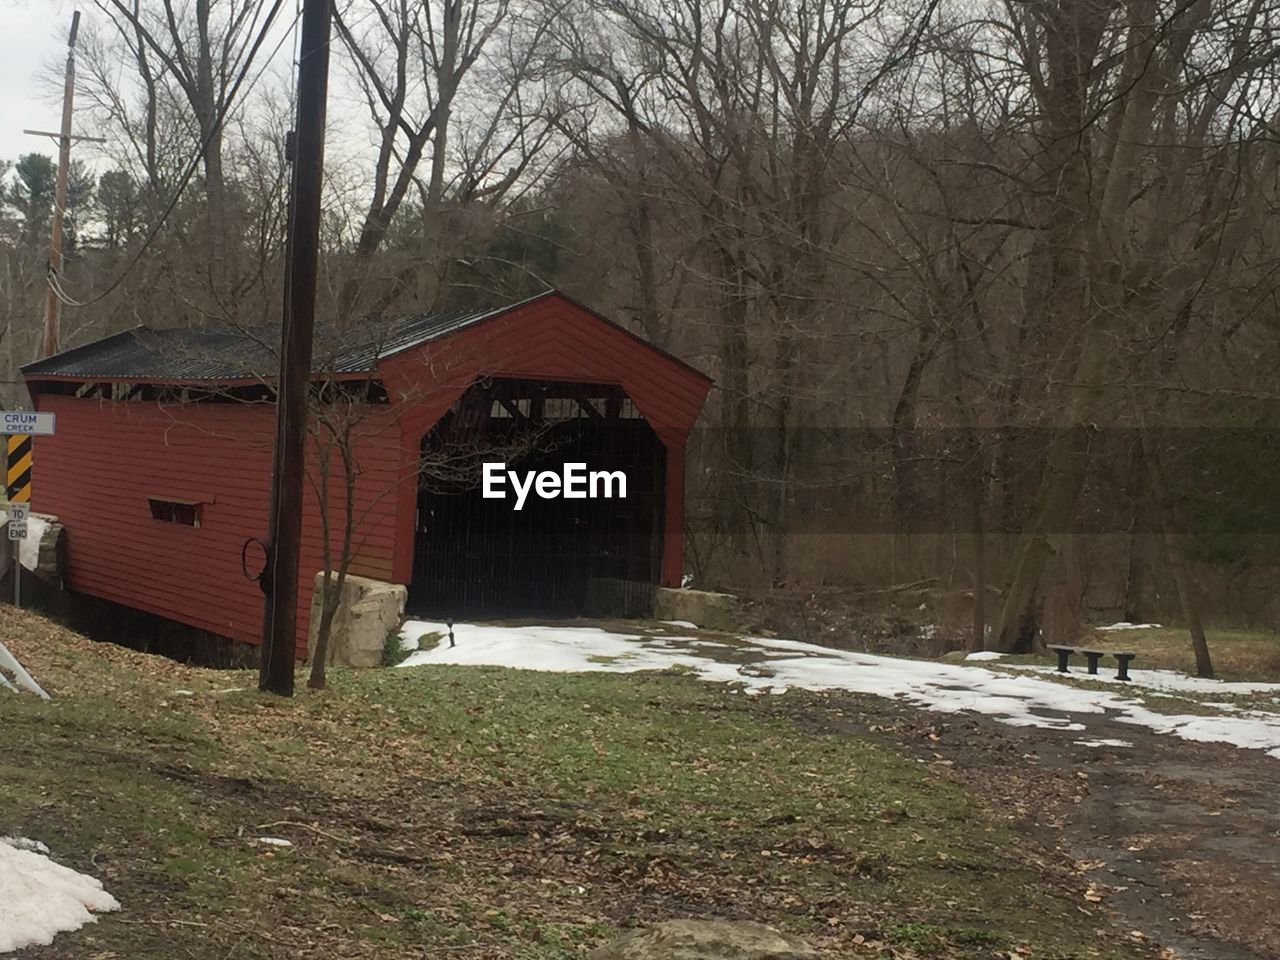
<point x="486" y="813"/>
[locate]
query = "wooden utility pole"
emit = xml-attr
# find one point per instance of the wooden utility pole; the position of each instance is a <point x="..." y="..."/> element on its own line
<point x="302" y="254"/>
<point x="49" y="339"/>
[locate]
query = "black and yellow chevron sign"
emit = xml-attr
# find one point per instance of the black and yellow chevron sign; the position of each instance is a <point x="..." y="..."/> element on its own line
<point x="18" y="476"/>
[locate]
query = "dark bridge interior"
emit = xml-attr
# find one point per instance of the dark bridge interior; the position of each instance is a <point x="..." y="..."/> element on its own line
<point x="481" y="557"/>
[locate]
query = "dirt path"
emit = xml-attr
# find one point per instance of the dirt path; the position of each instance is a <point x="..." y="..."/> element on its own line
<point x="1180" y="839"/>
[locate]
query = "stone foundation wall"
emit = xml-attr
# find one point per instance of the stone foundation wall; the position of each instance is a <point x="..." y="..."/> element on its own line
<point x="712" y="611"/>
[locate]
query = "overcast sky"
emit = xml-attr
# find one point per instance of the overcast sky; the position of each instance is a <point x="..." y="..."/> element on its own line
<point x="31" y="34"/>
<point x="33" y="39"/>
<point x="33" y="51"/>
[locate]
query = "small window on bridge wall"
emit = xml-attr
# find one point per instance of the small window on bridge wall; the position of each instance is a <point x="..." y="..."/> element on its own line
<point x="173" y="510"/>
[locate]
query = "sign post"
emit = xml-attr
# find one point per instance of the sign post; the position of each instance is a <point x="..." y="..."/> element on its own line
<point x="21" y="426"/>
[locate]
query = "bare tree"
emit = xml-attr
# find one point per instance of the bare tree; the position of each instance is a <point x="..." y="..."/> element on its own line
<point x="1127" y="120"/>
<point x="185" y="55"/>
<point x="414" y="64"/>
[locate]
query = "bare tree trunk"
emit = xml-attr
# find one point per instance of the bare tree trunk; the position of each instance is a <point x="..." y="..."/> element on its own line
<point x="979" y="639"/>
<point x="429" y="271"/>
<point x="1190" y="605"/>
<point x="642" y="232"/>
<point x="341" y="437"/>
<point x="650" y="316"/>
<point x="1136" y="572"/>
<point x="207" y="110"/>
<point x="736" y="418"/>
<point x="319" y="653"/>
<point x="977" y="488"/>
<point x="1066" y="301"/>
<point x="905" y="452"/>
<point x="780" y="495"/>
<point x="1177" y="559"/>
<point x="329" y="603"/>
<point x="1052" y="512"/>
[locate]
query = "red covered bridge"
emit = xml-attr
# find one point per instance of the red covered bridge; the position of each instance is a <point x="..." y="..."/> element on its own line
<point x="160" y="469"/>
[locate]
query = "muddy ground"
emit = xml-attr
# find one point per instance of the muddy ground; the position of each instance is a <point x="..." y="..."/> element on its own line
<point x="1180" y="839"/>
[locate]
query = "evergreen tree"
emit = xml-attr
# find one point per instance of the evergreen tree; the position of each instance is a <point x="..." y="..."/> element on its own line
<point x="81" y="186"/>
<point x="117" y="206"/>
<point x="32" y="195"/>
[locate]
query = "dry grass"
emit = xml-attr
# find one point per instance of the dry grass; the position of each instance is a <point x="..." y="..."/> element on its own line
<point x="1237" y="654"/>
<point x="490" y="814"/>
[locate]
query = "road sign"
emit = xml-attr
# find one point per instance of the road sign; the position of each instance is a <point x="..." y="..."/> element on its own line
<point x="18" y="476"/>
<point x="19" y="511"/>
<point x="17" y="529"/>
<point x="26" y="422"/>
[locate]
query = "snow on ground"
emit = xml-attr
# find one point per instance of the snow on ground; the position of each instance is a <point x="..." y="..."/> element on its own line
<point x="1165" y="681"/>
<point x="40" y="899"/>
<point x="764" y="665"/>
<point x="415" y="630"/>
<point x="25" y="843"/>
<point x="985" y="655"/>
<point x="9" y="663"/>
<point x="1125" y="625"/>
<point x="1103" y="742"/>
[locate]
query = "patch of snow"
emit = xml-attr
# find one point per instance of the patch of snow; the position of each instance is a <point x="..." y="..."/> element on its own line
<point x="1165" y="681"/>
<point x="680" y="623"/>
<point x="985" y="655"/>
<point x="415" y="630"/>
<point x="25" y="843"/>
<point x="1014" y="699"/>
<point x="1125" y="625"/>
<point x="40" y="899"/>
<point x="10" y="663"/>
<point x="274" y="842"/>
<point x="1104" y="742"/>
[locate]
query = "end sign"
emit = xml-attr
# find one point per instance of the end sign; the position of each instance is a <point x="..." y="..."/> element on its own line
<point x="18" y="516"/>
<point x="26" y="422"/>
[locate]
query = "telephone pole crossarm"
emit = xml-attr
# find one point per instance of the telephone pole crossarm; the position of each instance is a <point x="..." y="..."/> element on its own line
<point x="75" y="137"/>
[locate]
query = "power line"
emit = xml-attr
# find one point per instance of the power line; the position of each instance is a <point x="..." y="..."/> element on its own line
<point x="55" y="283"/>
